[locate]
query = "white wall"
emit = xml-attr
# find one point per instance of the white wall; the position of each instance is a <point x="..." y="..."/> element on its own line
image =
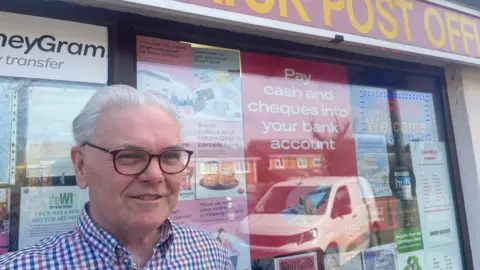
<point x="463" y="87"/>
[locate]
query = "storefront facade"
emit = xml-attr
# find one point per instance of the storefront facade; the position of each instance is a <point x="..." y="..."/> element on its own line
<point x="326" y="133"/>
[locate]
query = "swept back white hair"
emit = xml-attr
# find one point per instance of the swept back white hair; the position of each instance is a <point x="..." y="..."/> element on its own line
<point x="115" y="96"/>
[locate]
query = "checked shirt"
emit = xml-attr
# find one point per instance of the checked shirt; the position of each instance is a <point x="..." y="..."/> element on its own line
<point x="90" y="247"/>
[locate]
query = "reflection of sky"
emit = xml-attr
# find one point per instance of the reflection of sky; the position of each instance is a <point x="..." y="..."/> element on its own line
<point x="6" y="96"/>
<point x="20" y="87"/>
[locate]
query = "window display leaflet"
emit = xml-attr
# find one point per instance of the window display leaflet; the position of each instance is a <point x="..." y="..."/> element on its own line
<point x="372" y="163"/>
<point x="8" y="112"/>
<point x="436" y="207"/>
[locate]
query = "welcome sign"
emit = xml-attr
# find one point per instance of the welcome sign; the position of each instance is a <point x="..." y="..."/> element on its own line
<point x="41" y="48"/>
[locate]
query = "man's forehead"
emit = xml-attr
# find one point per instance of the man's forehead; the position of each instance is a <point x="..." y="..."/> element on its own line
<point x="137" y="114"/>
<point x="137" y="121"/>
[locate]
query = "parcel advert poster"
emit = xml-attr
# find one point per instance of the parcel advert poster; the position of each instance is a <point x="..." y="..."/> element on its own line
<point x="203" y="87"/>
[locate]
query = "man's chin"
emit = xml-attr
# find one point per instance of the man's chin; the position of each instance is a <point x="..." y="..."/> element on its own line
<point x="149" y="221"/>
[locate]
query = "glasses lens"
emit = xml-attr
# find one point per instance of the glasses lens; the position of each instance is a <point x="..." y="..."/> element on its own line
<point x="131" y="161"/>
<point x="174" y="161"/>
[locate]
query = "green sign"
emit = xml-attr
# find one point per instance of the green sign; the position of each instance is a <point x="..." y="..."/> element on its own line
<point x="62" y="200"/>
<point x="408" y="239"/>
<point x="413" y="263"/>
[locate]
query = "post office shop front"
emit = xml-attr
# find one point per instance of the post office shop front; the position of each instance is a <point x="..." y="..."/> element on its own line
<point x="322" y="130"/>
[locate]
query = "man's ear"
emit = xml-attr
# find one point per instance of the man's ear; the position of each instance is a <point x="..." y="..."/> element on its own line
<point x="76" y="154"/>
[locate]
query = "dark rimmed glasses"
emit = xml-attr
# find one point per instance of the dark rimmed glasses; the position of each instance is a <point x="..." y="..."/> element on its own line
<point x="136" y="161"/>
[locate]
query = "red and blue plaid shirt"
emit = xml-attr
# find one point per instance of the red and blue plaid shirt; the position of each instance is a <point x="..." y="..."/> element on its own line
<point x="90" y="247"/>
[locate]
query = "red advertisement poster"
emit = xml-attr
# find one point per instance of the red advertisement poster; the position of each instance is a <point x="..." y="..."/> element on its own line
<point x="297" y="125"/>
<point x="304" y="261"/>
<point x="386" y="212"/>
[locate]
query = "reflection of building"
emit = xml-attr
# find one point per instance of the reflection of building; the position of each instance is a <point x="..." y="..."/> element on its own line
<point x="298" y="161"/>
<point x="56" y="171"/>
<point x="222" y="171"/>
<point x="218" y="173"/>
<point x="285" y="162"/>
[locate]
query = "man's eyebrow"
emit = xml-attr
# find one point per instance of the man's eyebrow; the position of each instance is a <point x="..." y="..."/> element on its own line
<point x="136" y="147"/>
<point x="130" y="146"/>
<point x="175" y="146"/>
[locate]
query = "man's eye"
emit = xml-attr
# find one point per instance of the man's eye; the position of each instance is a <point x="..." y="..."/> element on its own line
<point x="130" y="155"/>
<point x="171" y="156"/>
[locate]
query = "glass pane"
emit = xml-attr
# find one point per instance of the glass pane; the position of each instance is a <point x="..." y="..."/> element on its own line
<point x="345" y="166"/>
<point x="38" y="138"/>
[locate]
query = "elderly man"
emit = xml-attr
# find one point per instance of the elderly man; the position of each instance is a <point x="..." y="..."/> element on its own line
<point x="129" y="154"/>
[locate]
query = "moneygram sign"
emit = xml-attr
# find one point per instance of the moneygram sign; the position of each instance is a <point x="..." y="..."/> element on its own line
<point x="40" y="48"/>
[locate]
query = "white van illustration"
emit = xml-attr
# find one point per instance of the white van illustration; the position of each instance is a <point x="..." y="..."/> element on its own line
<point x="330" y="215"/>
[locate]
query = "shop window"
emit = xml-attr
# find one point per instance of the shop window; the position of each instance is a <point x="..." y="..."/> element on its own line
<point x="376" y="133"/>
<point x="279" y="163"/>
<point x="41" y="92"/>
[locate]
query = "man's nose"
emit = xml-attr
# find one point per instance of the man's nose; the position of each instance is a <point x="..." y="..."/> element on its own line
<point x="153" y="173"/>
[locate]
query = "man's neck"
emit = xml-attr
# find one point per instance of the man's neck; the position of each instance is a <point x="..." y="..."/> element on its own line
<point x="140" y="243"/>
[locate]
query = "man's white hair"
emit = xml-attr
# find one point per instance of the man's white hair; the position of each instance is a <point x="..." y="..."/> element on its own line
<point x="115" y="96"/>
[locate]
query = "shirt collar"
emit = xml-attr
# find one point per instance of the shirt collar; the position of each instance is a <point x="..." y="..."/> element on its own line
<point x="106" y="244"/>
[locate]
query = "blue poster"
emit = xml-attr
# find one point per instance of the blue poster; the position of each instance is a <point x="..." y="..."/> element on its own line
<point x="380" y="258"/>
<point x="372" y="163"/>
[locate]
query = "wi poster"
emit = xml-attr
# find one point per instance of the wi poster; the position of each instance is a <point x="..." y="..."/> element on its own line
<point x="437" y="211"/>
<point x="297" y="125"/>
<point x="51" y="110"/>
<point x="202" y="85"/>
<point x="47" y="211"/>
